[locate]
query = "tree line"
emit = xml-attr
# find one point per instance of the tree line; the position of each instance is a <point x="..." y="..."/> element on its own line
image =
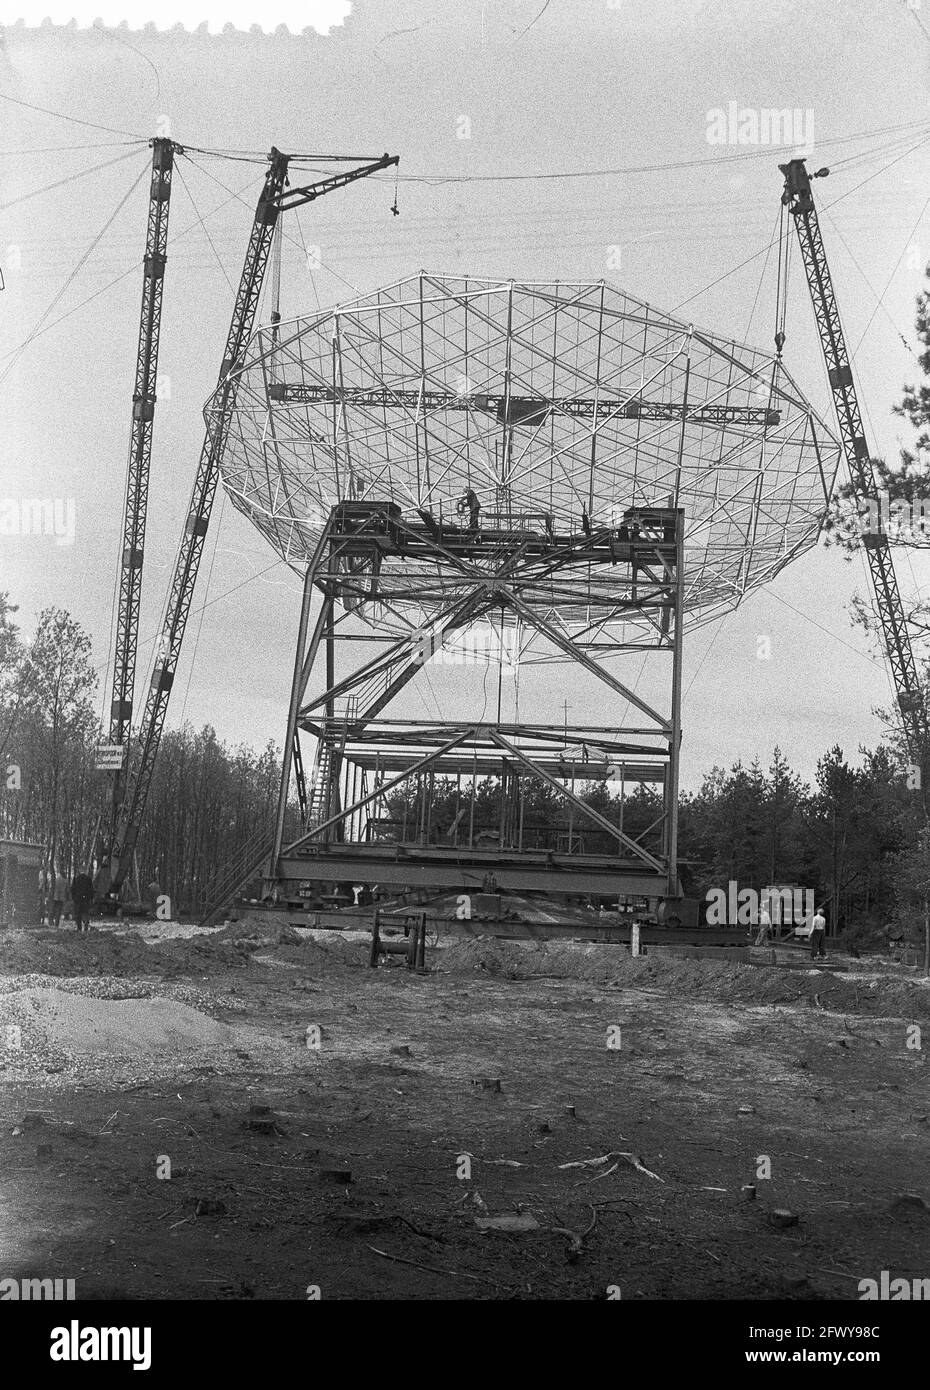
<point x="205" y="801"/>
<point x="853" y="837"/>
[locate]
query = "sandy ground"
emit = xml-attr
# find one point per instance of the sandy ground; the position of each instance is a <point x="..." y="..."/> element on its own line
<point x="610" y="1112"/>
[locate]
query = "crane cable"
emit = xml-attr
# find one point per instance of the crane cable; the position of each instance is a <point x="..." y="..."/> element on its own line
<point x="34" y="332"/>
<point x="354" y="288"/>
<point x="70" y="178"/>
<point x="131" y="270"/>
<point x="762" y="280"/>
<point x="782" y="280"/>
<point x="763" y="249"/>
<point x="201" y="223"/>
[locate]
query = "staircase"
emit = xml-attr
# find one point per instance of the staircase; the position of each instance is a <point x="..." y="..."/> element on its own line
<point x="232" y="876"/>
<point x="318" y="802"/>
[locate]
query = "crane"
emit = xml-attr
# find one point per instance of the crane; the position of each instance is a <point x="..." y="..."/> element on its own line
<point x="137" y="474"/>
<point x="798" y="199"/>
<point x="276" y="197"/>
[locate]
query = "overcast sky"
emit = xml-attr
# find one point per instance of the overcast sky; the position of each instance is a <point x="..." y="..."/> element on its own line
<point x="457" y="90"/>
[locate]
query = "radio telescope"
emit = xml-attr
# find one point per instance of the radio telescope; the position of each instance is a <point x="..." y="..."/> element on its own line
<point x="561" y="460"/>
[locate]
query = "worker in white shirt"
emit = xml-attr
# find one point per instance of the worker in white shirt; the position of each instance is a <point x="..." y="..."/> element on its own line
<point x="818" y="931"/>
<point x="765" y="927"/>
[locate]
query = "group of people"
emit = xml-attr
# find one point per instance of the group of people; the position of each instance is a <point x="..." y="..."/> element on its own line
<point x="55" y="893"/>
<point x="817" y="937"/>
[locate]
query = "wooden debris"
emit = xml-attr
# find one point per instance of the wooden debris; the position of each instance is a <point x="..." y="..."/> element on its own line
<point x="512" y="1221"/>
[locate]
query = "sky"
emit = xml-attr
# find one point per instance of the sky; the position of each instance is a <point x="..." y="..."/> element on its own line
<point x="469" y="95"/>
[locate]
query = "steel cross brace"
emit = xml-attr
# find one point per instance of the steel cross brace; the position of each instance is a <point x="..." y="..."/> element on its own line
<point x="380" y="790"/>
<point x="568" y="646"/>
<point x="576" y="801"/>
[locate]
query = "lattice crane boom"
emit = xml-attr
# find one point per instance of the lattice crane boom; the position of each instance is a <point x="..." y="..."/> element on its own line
<point x="273" y="199"/>
<point x="798" y="199"/>
<point x="140" y="452"/>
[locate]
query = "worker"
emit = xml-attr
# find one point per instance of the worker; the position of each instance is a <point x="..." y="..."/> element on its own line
<point x="59" y="896"/>
<point x="43" y="895"/>
<point x="153" y="893"/>
<point x="764" y="933"/>
<point x="469" y="503"/>
<point x="818" y="931"/>
<point x="82" y="895"/>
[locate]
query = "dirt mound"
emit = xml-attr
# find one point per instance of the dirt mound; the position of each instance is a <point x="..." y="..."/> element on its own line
<point x="511" y="960"/>
<point x="200" y="955"/>
<point x="53" y="1021"/>
<point x="235" y="946"/>
<point x="264" y="928"/>
<point x="73" y="953"/>
<point x="720" y="980"/>
<point x="326" y="952"/>
<point x="70" y="954"/>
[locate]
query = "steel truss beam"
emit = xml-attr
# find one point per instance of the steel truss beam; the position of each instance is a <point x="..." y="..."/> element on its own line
<point x="522" y="411"/>
<point x="434" y="870"/>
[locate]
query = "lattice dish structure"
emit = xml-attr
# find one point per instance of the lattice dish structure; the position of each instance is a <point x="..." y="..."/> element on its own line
<point x="509" y="410"/>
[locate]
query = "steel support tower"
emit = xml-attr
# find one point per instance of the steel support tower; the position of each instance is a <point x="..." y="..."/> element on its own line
<point x="365" y="752"/>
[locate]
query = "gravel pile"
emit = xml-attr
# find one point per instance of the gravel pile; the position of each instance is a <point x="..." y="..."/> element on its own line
<point x="115" y="987"/>
<point x="59" y="1021"/>
<point x="64" y="1037"/>
<point x="97" y="986"/>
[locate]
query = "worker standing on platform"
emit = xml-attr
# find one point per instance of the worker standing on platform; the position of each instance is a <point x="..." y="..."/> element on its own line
<point x="763" y="935"/>
<point x="468" y="503"/>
